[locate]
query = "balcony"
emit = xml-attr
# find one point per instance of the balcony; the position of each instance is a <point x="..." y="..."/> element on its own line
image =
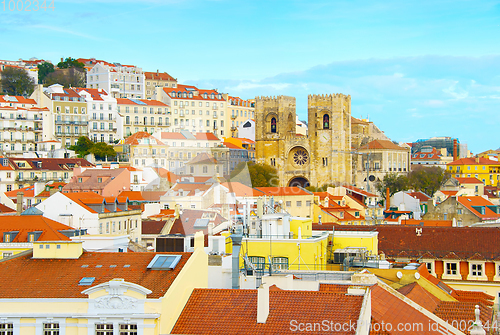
<point x="233" y="117"/>
<point x="215" y="116"/>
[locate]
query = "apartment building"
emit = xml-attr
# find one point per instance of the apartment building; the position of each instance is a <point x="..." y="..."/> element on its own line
<point x="122" y="81"/>
<point x="65" y="119"/>
<point x="157" y="79"/>
<point x="239" y="111"/>
<point x="194" y="109"/>
<point x="143" y="115"/>
<point x="102" y="115"/>
<point x="20" y="125"/>
<point x="484" y="169"/>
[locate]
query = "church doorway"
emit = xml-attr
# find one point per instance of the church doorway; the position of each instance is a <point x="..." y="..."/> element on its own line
<point x="299" y="181"/>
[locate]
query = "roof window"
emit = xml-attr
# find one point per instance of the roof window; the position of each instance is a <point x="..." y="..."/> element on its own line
<point x="86" y="281"/>
<point x="164" y="262"/>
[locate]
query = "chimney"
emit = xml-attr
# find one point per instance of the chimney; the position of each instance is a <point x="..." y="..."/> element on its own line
<point x="236" y="237"/>
<point x="455" y="145"/>
<point x="19" y="207"/>
<point x="477" y="159"/>
<point x="387" y="199"/>
<point x="157" y="71"/>
<point x="262" y="303"/>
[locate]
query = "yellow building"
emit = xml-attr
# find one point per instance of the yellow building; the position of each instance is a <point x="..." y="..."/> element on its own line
<point x="484" y="169"/>
<point x="293" y="200"/>
<point x="66" y="117"/>
<point x="157" y="79"/>
<point x="143" y="115"/>
<point x="70" y="291"/>
<point x="19" y="232"/>
<point x="239" y="111"/>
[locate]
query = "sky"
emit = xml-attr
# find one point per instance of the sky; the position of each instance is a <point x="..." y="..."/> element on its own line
<point x="417" y="69"/>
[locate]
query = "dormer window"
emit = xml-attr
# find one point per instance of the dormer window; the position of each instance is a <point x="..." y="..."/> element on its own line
<point x="99" y="180"/>
<point x="212" y="96"/>
<point x="204" y="95"/>
<point x="172" y="94"/>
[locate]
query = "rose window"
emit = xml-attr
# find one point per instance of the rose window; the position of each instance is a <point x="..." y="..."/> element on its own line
<point x="300" y="157"/>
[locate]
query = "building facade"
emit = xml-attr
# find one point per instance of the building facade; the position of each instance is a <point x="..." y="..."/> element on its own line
<point x="122" y="81"/>
<point x="157" y="79"/>
<point x="305" y="160"/>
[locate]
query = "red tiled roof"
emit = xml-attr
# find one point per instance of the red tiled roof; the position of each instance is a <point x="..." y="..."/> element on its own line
<point x="172" y="136"/>
<point x="281" y="191"/>
<point x="472" y="161"/>
<point x="126" y="101"/>
<point x="45" y="193"/>
<point x="381" y="144"/>
<point x="30" y="223"/>
<point x="20" y="100"/>
<point x="28" y="192"/>
<point x="333" y="288"/>
<point x="191" y="188"/>
<point x="478" y="201"/>
<point x="131" y="195"/>
<point x="158" y="76"/>
<point x="240" y="311"/>
<point x="134" y="138"/>
<point x="464" y="241"/>
<point x="184" y="224"/>
<point x="95" y="93"/>
<point x="206" y="136"/>
<point x="468" y="180"/>
<point x="52" y="164"/>
<point x="460" y="312"/>
<point x="152" y="227"/>
<point x="360" y="191"/>
<point x="5" y="209"/>
<point x="197" y="93"/>
<point x="428" y="223"/>
<point x="389" y="309"/>
<point x="419" y="195"/>
<point x="420" y="295"/>
<point x="59" y="278"/>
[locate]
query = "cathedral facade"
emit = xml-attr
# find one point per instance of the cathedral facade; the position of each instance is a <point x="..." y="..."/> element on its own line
<point x="322" y="157"/>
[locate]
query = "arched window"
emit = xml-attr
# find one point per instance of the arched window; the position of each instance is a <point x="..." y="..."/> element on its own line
<point x="273" y="125"/>
<point x="326" y="121"/>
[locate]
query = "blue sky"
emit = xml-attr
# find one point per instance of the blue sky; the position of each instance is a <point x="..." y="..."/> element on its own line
<point x="417" y="68"/>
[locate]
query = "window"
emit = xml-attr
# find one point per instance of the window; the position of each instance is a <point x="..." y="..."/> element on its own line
<point x="5" y="255"/>
<point x="326" y="121"/>
<point x="258" y="262"/>
<point x="451" y="268"/>
<point x="128" y="329"/>
<point x="308" y="203"/>
<point x="51" y="329"/>
<point x="288" y="204"/>
<point x="104" y="329"/>
<point x="299" y="203"/>
<point x="6" y="328"/>
<point x="280" y="263"/>
<point x="273" y="125"/>
<point x="205" y="169"/>
<point x="477" y="270"/>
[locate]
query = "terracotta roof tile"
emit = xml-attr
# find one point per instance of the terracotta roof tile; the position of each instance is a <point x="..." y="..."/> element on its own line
<point x="472" y="161"/>
<point x="153" y="227"/>
<point x="29" y="223"/>
<point x="240" y="311"/>
<point x="464" y="241"/>
<point x="381" y="144"/>
<point x="59" y="278"/>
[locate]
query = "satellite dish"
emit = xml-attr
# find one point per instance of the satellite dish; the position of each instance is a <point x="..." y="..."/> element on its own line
<point x="371" y="178"/>
<point x="417" y="275"/>
<point x="399" y="274"/>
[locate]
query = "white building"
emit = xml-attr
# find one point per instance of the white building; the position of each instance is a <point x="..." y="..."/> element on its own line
<point x="195" y="109"/>
<point x="98" y="215"/>
<point x="102" y="115"/>
<point x="122" y="81"/>
<point x="246" y="129"/>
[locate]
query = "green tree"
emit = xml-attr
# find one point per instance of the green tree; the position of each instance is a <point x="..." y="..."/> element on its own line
<point x="16" y="81"/>
<point x="427" y="179"/>
<point x="70" y="77"/>
<point x="102" y="150"/>
<point x="71" y="63"/>
<point x="43" y="70"/>
<point x="83" y="146"/>
<point x="255" y="175"/>
<point x="395" y="182"/>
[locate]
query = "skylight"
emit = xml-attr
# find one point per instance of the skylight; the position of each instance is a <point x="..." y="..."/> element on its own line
<point x="164" y="262"/>
<point x="86" y="281"/>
